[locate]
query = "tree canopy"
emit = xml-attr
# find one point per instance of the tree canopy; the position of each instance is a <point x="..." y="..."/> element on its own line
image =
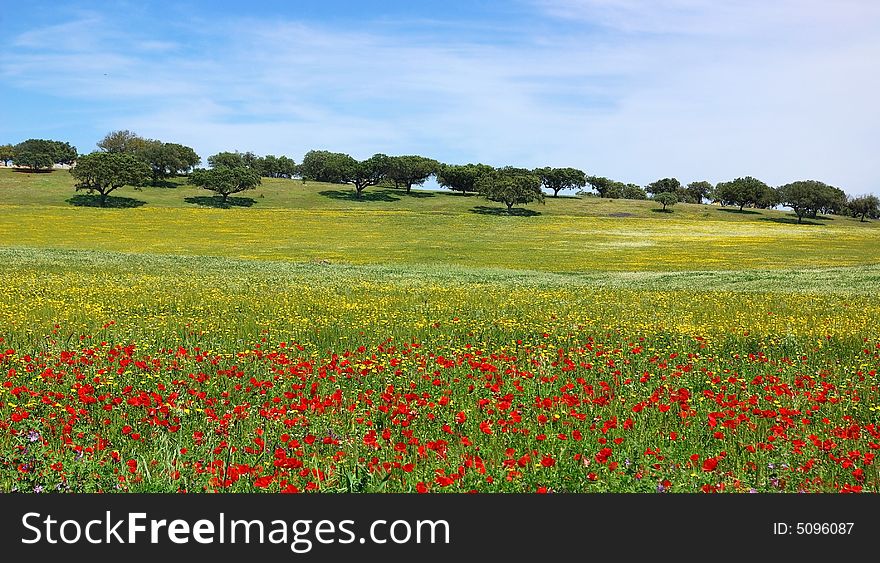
<point x="558" y="179"/>
<point x="666" y="199"/>
<point x="809" y="197"/>
<point x="232" y="159"/>
<point x="866" y="207"/>
<point x="326" y="166"/>
<point x="272" y="166"/>
<point x="511" y="186"/>
<point x="666" y="185"/>
<point x="698" y="191"/>
<point x="411" y="170"/>
<point x="40" y="154"/>
<point x="104" y="172"/>
<point x="615" y="189"/>
<point x="122" y="141"/>
<point x="7" y="154"/>
<point x="743" y="191"/>
<point x="168" y="159"/>
<point x="225" y="180"/>
<point x="462" y="177"/>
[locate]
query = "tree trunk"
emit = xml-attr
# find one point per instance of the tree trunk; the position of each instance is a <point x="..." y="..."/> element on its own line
<point x="556" y="193"/>
<point x="225" y="197"/>
<point x="103" y="199"/>
<point x="741" y="206"/>
<point x="408" y="187"/>
<point x="509" y="208"/>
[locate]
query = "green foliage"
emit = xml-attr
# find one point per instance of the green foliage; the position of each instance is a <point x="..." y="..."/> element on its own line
<point x="696" y="192"/>
<point x="558" y="179"/>
<point x="613" y="189"/>
<point x="411" y="170"/>
<point x="666" y="185"/>
<point x="865" y="207"/>
<point x="226" y="159"/>
<point x="601" y="184"/>
<point x="326" y="166"/>
<point x="168" y="159"/>
<point x="633" y="191"/>
<point x="38" y="154"/>
<point x="122" y="141"/>
<point x="369" y="172"/>
<point x="165" y="159"/>
<point x="104" y="172"/>
<point x="7" y="154"/>
<point x="511" y="186"/>
<point x="272" y="166"/>
<point x="462" y="177"/>
<point x="225" y="180"/>
<point x="809" y="197"/>
<point x="743" y="191"/>
<point x="666" y="199"/>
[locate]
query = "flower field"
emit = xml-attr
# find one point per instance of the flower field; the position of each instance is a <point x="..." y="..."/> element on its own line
<point x="155" y="373"/>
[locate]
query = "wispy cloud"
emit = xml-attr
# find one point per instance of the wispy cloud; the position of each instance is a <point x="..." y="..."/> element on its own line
<point x="633" y="90"/>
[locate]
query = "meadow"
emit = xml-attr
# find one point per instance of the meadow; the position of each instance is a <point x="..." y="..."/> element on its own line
<point x="307" y="341"/>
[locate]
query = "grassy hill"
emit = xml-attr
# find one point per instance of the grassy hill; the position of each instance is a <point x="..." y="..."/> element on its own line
<point x="301" y="313"/>
<point x="292" y="221"/>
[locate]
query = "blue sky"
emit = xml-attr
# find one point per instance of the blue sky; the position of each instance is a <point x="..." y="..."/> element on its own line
<point x="635" y="90"/>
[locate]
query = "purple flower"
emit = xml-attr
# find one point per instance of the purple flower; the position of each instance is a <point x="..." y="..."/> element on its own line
<point x="661" y="488"/>
<point x="33" y="435"/>
<point x="38" y="489"/>
<point x="753" y="490"/>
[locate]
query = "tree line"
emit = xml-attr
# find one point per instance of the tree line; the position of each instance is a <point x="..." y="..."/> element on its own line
<point x="125" y="158"/>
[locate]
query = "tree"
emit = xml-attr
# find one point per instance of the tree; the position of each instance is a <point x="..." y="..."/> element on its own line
<point x="227" y="159"/>
<point x="411" y="170"/>
<point x="602" y="185"/>
<point x="867" y="206"/>
<point x="511" y="186"/>
<point x="742" y="191"/>
<point x="809" y="197"/>
<point x="122" y="141"/>
<point x="7" y="154"/>
<point x="698" y="191"/>
<point x="558" y="179"/>
<point x="104" y="172"/>
<point x="368" y="172"/>
<point x="225" y="180"/>
<point x="326" y="166"/>
<point x="833" y="201"/>
<point x="666" y="199"/>
<point x="276" y="167"/>
<point x="633" y="191"/>
<point x="666" y="185"/>
<point x="65" y="153"/>
<point x="614" y="189"/>
<point x="38" y="154"/>
<point x="462" y="177"/>
<point x="168" y="159"/>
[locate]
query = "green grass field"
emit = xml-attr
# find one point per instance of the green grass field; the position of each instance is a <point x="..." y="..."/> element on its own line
<point x="289" y="220"/>
<point x="426" y="342"/>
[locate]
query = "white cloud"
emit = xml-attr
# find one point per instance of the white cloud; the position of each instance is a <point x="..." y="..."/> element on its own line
<point x="677" y="87"/>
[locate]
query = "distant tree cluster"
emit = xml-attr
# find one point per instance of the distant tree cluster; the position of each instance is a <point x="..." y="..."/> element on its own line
<point x="164" y="159"/>
<point x="38" y="154"/>
<point x="124" y="157"/>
